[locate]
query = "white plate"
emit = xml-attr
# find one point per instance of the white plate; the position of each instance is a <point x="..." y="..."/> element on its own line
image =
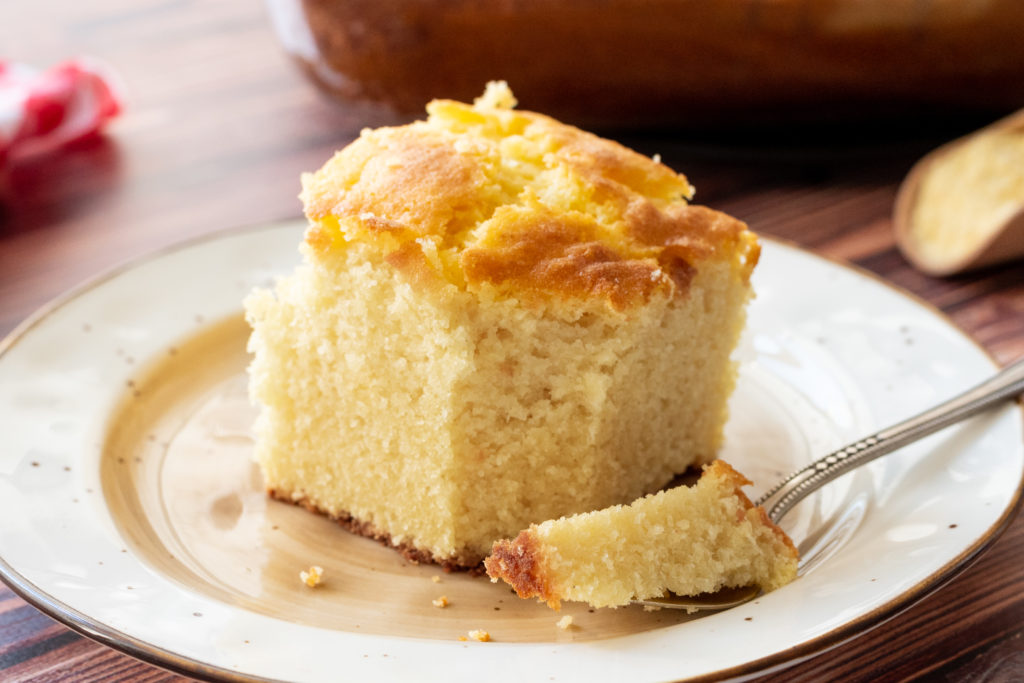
<point x="830" y="355"/>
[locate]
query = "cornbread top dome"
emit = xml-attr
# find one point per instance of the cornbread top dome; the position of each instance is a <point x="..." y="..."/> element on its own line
<point x="484" y="197"/>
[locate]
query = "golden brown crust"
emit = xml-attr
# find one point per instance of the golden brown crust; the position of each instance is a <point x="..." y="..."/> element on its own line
<point x="471" y="565"/>
<point x="720" y="469"/>
<point x="542" y="252"/>
<point x="477" y="181"/>
<point x="609" y="166"/>
<point x="410" y="178"/>
<point x="519" y="563"/>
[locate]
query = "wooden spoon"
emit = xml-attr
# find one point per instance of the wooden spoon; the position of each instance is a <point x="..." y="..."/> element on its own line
<point x="962" y="206"/>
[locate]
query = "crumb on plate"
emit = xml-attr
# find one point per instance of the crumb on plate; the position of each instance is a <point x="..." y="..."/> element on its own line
<point x="441" y="601"/>
<point x="312" y="577"/>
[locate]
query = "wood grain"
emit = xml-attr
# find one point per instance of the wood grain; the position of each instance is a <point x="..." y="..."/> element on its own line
<point x="217" y="128"/>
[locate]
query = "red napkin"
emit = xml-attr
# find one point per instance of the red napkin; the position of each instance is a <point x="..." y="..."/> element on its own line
<point x="42" y="110"/>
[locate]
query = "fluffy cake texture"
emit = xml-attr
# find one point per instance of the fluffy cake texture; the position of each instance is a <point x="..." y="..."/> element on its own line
<point x="686" y="540"/>
<point x="500" y="319"/>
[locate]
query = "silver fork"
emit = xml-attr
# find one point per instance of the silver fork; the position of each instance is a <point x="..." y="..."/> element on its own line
<point x="1007" y="383"/>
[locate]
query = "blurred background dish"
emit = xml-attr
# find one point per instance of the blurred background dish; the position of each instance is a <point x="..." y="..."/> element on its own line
<point x="646" y="63"/>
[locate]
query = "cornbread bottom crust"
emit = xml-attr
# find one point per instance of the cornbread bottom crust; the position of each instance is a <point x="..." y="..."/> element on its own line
<point x="368" y="530"/>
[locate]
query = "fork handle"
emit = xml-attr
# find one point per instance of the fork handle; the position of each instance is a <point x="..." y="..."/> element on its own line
<point x="1007" y="383"/>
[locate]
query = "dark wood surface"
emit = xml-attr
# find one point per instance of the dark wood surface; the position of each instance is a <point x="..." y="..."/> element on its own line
<point x="218" y="126"/>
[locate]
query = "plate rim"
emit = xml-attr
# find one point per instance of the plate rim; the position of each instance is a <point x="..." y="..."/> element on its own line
<point x="167" y="659"/>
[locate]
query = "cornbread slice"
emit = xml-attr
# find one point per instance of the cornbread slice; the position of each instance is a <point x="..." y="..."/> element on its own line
<point x="686" y="540"/>
<point x="500" y="319"/>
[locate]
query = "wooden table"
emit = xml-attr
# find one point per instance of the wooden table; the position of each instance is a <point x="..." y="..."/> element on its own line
<point x="218" y="126"/>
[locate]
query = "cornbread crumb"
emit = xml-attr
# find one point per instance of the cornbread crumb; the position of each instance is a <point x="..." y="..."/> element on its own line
<point x="565" y="622"/>
<point x="652" y="608"/>
<point x="441" y="601"/>
<point x="435" y="578"/>
<point x="312" y="577"/>
<point x="687" y="540"/>
<point x="480" y="635"/>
